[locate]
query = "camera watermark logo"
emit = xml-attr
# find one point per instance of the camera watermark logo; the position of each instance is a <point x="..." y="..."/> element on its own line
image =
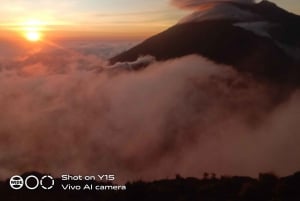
<point x="43" y="185"/>
<point x="31" y="182"/>
<point x="16" y="182"/>
<point x="100" y="182"/>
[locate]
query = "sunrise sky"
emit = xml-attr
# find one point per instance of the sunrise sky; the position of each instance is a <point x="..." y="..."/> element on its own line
<point x="97" y="18"/>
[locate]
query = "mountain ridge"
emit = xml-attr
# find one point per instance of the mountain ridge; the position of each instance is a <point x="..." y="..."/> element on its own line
<point x="224" y="42"/>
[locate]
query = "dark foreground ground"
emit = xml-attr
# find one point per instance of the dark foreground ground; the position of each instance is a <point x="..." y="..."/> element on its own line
<point x="267" y="188"/>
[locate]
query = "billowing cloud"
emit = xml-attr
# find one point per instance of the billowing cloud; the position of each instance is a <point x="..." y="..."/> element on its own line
<point x="141" y="62"/>
<point x="65" y="113"/>
<point x="194" y="4"/>
<point x="220" y="11"/>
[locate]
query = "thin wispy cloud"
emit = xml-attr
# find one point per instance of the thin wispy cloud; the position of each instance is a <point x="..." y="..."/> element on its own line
<point x="193" y="4"/>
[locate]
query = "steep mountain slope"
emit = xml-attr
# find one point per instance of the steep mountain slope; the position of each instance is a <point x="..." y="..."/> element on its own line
<point x="266" y="43"/>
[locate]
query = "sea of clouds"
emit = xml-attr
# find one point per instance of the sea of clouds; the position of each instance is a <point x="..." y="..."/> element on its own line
<point x="63" y="109"/>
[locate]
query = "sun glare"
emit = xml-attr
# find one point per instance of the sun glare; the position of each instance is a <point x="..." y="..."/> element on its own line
<point x="33" y="30"/>
<point x="33" y="36"/>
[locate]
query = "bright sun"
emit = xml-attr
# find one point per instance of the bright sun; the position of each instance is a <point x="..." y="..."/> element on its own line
<point x="33" y="36"/>
<point x="33" y="30"/>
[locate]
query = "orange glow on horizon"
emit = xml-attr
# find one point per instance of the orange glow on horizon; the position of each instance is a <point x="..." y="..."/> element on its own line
<point x="40" y="28"/>
<point x="32" y="30"/>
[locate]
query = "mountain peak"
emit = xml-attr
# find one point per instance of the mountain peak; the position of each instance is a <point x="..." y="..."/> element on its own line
<point x="270" y="12"/>
<point x="222" y="11"/>
<point x="262" y="11"/>
<point x="261" y="39"/>
<point x="268" y="4"/>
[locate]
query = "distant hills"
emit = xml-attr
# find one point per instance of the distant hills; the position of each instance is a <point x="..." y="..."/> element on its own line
<point x="261" y="39"/>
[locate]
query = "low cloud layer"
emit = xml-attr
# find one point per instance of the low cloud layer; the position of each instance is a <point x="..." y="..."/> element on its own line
<point x="68" y="114"/>
<point x="194" y="4"/>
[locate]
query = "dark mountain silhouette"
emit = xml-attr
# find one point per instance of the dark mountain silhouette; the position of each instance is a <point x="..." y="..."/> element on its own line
<point x="267" y="187"/>
<point x="273" y="54"/>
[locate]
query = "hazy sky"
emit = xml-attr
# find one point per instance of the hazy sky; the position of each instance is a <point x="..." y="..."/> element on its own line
<point x="131" y="18"/>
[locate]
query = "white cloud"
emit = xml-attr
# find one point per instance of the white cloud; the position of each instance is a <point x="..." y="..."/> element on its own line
<point x="141" y="62"/>
<point x="184" y="116"/>
<point x="259" y="28"/>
